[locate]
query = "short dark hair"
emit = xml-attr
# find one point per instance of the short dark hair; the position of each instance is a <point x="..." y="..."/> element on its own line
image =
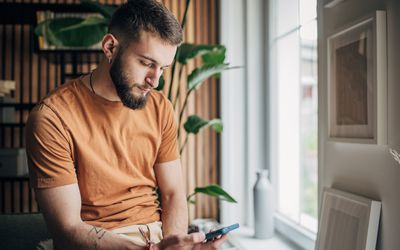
<point x="135" y="16"/>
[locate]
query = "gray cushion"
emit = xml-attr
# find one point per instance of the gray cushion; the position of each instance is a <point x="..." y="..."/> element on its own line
<point x="22" y="231"/>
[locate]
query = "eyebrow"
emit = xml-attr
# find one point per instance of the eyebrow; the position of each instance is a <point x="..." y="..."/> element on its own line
<point x="154" y="61"/>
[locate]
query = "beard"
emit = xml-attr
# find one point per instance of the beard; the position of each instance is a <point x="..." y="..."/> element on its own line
<point x="122" y="86"/>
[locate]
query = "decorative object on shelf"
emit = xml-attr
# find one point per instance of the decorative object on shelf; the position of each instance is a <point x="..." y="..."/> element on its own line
<point x="6" y="86"/>
<point x="13" y="162"/>
<point x="7" y="114"/>
<point x="357" y="82"/>
<point x="348" y="221"/>
<point x="263" y="206"/>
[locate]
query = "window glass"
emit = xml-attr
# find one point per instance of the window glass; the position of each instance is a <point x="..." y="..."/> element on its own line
<point x="294" y="76"/>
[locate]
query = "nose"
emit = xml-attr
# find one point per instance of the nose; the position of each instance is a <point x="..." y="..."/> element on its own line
<point x="153" y="77"/>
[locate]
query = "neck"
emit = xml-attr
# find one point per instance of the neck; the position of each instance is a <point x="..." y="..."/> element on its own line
<point x="102" y="83"/>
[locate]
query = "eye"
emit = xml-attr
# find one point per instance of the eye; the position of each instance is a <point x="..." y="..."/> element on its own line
<point x="150" y="65"/>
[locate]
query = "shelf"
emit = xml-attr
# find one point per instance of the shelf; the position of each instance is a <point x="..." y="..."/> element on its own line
<point x="14" y="178"/>
<point x="17" y="105"/>
<point x="70" y="56"/>
<point x="12" y="125"/>
<point x="68" y="52"/>
<point x="25" y="13"/>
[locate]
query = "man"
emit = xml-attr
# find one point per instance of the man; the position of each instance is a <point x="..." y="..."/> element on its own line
<point x="99" y="145"/>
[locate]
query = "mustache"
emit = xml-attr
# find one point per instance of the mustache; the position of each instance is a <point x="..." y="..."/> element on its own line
<point x="143" y="86"/>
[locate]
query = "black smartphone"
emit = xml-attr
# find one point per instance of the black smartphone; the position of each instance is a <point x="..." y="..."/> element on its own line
<point x="211" y="235"/>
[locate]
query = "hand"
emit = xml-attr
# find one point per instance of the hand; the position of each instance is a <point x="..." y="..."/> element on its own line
<point x="194" y="241"/>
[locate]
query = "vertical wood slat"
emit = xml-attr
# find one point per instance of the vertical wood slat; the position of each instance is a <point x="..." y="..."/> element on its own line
<point x="3" y="51"/>
<point x="191" y="110"/>
<point x="2" y="200"/>
<point x="12" y="196"/>
<point x="190" y="148"/>
<point x="25" y="83"/>
<point x="198" y="108"/>
<point x="16" y="196"/>
<point x="206" y="134"/>
<point x="214" y="108"/>
<point x="200" y="164"/>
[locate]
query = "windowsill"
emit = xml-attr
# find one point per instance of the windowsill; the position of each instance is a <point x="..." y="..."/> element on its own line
<point x="243" y="238"/>
<point x="301" y="237"/>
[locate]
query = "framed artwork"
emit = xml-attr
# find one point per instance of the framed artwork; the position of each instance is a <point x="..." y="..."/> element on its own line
<point x="357" y="82"/>
<point x="348" y="222"/>
<point x="41" y="42"/>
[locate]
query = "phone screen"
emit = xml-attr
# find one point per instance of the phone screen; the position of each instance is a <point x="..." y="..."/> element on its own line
<point x="221" y="231"/>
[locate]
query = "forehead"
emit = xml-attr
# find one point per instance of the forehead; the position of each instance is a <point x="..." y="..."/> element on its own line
<point x="152" y="46"/>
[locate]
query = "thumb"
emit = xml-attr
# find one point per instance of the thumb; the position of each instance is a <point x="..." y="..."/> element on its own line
<point x="196" y="237"/>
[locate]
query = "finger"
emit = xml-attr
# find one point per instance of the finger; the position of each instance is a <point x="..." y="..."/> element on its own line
<point x="195" y="238"/>
<point x="175" y="241"/>
<point x="218" y="242"/>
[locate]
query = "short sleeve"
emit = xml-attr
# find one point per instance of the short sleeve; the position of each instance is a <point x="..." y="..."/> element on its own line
<point x="48" y="150"/>
<point x="168" y="150"/>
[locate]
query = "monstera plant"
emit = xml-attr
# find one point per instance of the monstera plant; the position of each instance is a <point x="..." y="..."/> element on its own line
<point x="88" y="31"/>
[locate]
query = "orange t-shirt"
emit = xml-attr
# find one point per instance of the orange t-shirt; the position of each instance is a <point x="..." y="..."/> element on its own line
<point x="76" y="136"/>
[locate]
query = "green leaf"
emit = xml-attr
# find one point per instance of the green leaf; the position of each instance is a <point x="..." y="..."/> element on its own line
<point x="75" y="31"/>
<point x="106" y="10"/>
<point x="90" y="21"/>
<point x="215" y="191"/>
<point x="215" y="56"/>
<point x="161" y="83"/>
<point x="195" y="123"/>
<point x="188" y="51"/>
<point x="53" y="26"/>
<point x="200" y="74"/>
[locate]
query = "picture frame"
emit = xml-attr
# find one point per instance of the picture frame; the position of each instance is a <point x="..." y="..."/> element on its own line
<point x="41" y="42"/>
<point x="348" y="221"/>
<point x="357" y="82"/>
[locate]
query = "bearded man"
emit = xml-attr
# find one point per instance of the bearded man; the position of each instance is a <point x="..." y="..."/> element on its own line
<point x="99" y="145"/>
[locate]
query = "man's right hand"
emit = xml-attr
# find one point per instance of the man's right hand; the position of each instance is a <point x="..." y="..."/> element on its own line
<point x="194" y="241"/>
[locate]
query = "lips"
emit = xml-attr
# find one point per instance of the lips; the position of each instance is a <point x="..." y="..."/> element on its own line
<point x="144" y="90"/>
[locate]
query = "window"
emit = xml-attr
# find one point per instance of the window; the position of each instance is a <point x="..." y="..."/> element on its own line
<point x="274" y="125"/>
<point x="294" y="122"/>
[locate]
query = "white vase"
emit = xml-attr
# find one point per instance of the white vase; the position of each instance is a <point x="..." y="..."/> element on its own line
<point x="263" y="207"/>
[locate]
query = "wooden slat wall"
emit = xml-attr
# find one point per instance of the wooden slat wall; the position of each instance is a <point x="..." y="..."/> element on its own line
<point x="38" y="73"/>
<point x="200" y="158"/>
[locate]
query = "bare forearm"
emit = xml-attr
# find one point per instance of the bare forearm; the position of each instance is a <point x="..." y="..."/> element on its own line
<point x="84" y="236"/>
<point x="174" y="215"/>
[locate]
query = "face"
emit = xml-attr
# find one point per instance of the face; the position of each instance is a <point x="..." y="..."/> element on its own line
<point x="136" y="70"/>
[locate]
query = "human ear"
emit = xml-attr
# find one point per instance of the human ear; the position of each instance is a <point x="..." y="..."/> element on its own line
<point x="109" y="44"/>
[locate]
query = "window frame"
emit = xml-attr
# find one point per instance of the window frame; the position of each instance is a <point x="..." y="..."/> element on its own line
<point x="245" y="28"/>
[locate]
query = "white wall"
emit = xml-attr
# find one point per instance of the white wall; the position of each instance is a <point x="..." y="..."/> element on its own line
<point x="367" y="170"/>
